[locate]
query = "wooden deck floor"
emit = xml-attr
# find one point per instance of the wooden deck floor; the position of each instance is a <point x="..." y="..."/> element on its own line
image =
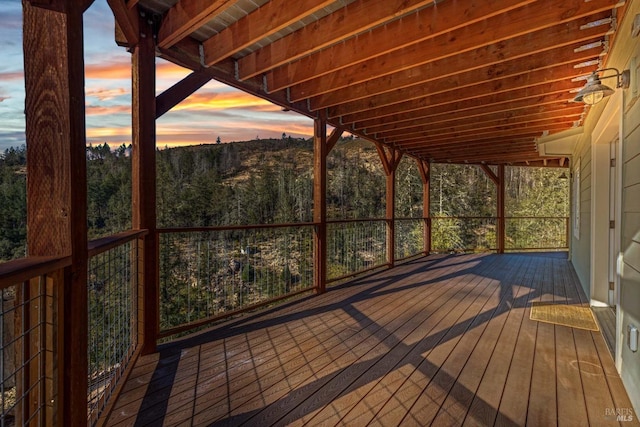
<point x="444" y="340"/>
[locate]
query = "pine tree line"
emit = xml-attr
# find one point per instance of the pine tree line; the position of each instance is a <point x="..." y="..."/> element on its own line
<point x="271" y="182"/>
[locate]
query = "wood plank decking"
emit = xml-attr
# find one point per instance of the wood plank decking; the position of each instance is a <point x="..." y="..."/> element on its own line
<point x="443" y="340"/>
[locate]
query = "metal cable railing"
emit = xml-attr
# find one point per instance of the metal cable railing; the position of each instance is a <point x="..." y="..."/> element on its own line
<point x="29" y="346"/>
<point x="536" y="233"/>
<point x="209" y="272"/>
<point x="112" y="316"/>
<point x="409" y="237"/>
<point x="463" y="234"/>
<point x="354" y="246"/>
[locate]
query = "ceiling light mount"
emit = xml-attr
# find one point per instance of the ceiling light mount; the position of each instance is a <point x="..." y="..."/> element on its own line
<point x="594" y="91"/>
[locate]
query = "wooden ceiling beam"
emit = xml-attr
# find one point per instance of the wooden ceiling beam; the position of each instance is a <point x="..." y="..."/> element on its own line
<point x="514" y="132"/>
<point x="518" y="115"/>
<point x="265" y="21"/>
<point x="186" y="54"/>
<point x="477" y="156"/>
<point x="423" y="25"/>
<point x="333" y="138"/>
<point x="180" y="91"/>
<point x="361" y="15"/>
<point x="187" y="16"/>
<point x="126" y="20"/>
<point x="471" y="141"/>
<point x="453" y="72"/>
<point x="470" y="145"/>
<point x="462" y="109"/>
<point x="506" y="158"/>
<point x="512" y="85"/>
<point x="478" y="126"/>
<point x="365" y="61"/>
<point x="486" y="149"/>
<point x="446" y="102"/>
<point x="551" y="163"/>
<point x="489" y="158"/>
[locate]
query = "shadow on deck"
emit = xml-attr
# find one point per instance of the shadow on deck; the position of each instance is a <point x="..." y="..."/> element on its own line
<point x="442" y="340"/>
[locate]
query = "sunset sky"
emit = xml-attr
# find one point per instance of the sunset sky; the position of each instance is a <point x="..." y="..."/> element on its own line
<point x="215" y="110"/>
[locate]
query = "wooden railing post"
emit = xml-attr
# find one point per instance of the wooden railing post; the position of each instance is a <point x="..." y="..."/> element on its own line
<point x="57" y="185"/>
<point x="320" y="202"/>
<point x="144" y="182"/>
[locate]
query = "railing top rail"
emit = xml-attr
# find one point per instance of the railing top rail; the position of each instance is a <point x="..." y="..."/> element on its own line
<point x="407" y="218"/>
<point x="494" y="217"/>
<point x="20" y="270"/>
<point x="103" y="244"/>
<point x="233" y="227"/>
<point x="536" y="217"/>
<point x="346" y="221"/>
<point x="464" y="217"/>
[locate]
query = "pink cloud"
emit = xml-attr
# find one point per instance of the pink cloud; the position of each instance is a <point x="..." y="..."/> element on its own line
<point x="98" y="110"/>
<point x="2" y="98"/>
<point x="14" y="75"/>
<point x="106" y="94"/>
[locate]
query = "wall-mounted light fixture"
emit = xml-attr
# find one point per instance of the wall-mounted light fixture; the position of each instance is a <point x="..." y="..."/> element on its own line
<point x="594" y="91"/>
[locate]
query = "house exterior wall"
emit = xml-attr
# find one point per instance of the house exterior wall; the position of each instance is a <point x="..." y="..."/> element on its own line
<point x="630" y="247"/>
<point x="625" y="54"/>
<point x="581" y="195"/>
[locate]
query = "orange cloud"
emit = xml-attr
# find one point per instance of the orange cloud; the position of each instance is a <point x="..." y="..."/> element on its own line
<point x="122" y="70"/>
<point x="108" y="132"/>
<point x="109" y="71"/>
<point x="224" y="100"/>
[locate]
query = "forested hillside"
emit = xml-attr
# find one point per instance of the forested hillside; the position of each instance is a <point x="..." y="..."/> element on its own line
<point x="271" y="181"/>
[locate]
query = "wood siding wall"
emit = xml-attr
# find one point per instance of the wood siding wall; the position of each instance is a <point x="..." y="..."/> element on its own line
<point x="625" y="54"/>
<point x="630" y="277"/>
<point x="581" y="247"/>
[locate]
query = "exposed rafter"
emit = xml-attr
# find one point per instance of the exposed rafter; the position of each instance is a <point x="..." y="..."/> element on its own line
<point x="185" y="17"/>
<point x="361" y="15"/>
<point x="264" y="22"/>
<point x="456" y="81"/>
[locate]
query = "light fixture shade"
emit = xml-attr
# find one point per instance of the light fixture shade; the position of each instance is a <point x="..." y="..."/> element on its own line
<point x="594" y="91"/>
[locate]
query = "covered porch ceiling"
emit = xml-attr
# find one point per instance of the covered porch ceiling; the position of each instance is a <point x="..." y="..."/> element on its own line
<point x="444" y="81"/>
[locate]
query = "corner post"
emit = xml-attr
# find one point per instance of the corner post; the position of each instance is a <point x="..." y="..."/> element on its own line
<point x="320" y="202"/>
<point x="144" y="182"/>
<point x="57" y="184"/>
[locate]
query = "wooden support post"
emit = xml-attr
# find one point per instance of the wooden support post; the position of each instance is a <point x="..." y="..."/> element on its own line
<point x="390" y="217"/>
<point x="390" y="162"/>
<point x="425" y="175"/>
<point x="144" y="183"/>
<point x="57" y="184"/>
<point x="320" y="202"/>
<point x="498" y="180"/>
<point x="501" y="220"/>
